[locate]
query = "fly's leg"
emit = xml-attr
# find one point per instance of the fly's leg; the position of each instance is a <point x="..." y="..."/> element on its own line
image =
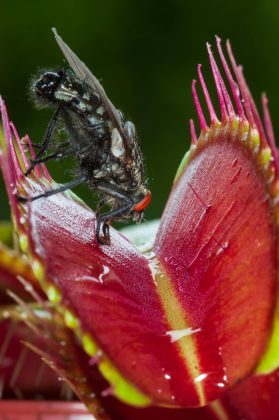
<point x="46" y="141"/>
<point x="59" y="154"/>
<point x="108" y="217"/>
<point x="39" y="146"/>
<point x="104" y="220"/>
<point x="48" y="133"/>
<point x="103" y="202"/>
<point x="65" y="187"/>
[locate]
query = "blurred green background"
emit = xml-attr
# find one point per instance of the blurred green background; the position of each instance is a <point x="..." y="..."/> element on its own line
<point x="145" y="53"/>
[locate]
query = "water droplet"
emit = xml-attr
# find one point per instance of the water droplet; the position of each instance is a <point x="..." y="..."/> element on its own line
<point x="176" y="335"/>
<point x="105" y="271"/>
<point x="167" y="376"/>
<point x="201" y="377"/>
<point x="222" y="248"/>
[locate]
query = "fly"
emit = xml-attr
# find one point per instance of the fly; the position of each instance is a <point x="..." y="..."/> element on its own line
<point x="103" y="144"/>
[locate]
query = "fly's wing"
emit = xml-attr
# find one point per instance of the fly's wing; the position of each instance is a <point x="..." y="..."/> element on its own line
<point x="84" y="74"/>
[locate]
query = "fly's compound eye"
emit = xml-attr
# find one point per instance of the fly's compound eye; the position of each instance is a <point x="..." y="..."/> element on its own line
<point x="48" y="83"/>
<point x="143" y="203"/>
<point x="130" y="130"/>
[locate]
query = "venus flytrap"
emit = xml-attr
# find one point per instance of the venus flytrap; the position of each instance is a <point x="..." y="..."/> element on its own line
<point x="181" y="323"/>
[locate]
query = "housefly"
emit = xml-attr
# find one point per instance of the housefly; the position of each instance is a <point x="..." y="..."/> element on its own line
<point x="103" y="144"/>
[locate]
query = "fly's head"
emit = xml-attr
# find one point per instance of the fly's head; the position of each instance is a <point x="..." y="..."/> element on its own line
<point x="45" y="86"/>
<point x="141" y="198"/>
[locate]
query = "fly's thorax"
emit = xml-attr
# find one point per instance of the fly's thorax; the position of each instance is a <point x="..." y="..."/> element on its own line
<point x="75" y="95"/>
<point x="45" y="86"/>
<point x="64" y="89"/>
